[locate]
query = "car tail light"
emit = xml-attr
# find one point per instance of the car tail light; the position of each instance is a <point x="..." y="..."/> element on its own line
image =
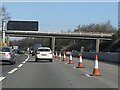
<point x="10" y="54"/>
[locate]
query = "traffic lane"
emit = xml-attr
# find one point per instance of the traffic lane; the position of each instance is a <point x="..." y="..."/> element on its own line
<point x="108" y="72"/>
<point x="50" y="75"/>
<point x="6" y="67"/>
<point x="35" y="75"/>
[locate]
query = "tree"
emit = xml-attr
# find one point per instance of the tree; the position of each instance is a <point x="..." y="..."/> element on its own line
<point x="5" y="17"/>
<point x="103" y="27"/>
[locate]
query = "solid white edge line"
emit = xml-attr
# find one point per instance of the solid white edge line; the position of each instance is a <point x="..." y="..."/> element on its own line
<point x="2" y="78"/>
<point x="88" y="75"/>
<point x="12" y="71"/>
<point x="20" y="65"/>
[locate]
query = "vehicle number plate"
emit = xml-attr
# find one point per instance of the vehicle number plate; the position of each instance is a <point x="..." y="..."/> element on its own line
<point x="43" y="54"/>
<point x="2" y="54"/>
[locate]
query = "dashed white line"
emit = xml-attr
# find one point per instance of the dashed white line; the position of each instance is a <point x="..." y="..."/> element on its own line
<point x="88" y="75"/>
<point x="2" y="78"/>
<point x="24" y="62"/>
<point x="12" y="71"/>
<point x="20" y="65"/>
<point x="15" y="69"/>
<point x="27" y="57"/>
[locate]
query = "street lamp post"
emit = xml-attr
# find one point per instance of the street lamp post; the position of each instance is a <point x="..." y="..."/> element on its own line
<point x="3" y="32"/>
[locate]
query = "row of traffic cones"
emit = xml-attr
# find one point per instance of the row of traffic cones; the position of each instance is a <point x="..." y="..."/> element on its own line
<point x="56" y="55"/>
<point x="96" y="71"/>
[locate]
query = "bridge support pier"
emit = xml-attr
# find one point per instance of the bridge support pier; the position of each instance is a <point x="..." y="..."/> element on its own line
<point x="52" y="41"/>
<point x="97" y="45"/>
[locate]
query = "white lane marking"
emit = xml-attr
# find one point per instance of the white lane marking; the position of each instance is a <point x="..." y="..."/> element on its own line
<point x="2" y="78"/>
<point x="24" y="62"/>
<point x="88" y="75"/>
<point x="27" y="57"/>
<point x="12" y="71"/>
<point x="20" y="65"/>
<point x="66" y="63"/>
<point x="74" y="67"/>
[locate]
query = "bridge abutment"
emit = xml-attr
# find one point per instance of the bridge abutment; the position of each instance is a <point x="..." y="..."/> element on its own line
<point x="52" y="43"/>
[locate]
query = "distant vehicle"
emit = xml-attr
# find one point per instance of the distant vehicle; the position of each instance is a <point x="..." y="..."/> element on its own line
<point x="74" y="51"/>
<point x="92" y="51"/>
<point x="68" y="53"/>
<point x="19" y="51"/>
<point x="31" y="51"/>
<point x="44" y="53"/>
<point x="7" y="55"/>
<point x="15" y="47"/>
<point x="35" y="47"/>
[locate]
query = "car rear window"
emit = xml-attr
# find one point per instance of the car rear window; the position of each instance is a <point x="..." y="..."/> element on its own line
<point x="5" y="49"/>
<point x="44" y="50"/>
<point x="0" y="49"/>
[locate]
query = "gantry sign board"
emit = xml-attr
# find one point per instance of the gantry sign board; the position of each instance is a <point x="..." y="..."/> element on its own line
<point x="22" y="25"/>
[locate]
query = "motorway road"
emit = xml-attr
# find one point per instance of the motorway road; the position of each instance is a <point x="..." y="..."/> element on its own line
<point x="58" y="74"/>
<point x="6" y="67"/>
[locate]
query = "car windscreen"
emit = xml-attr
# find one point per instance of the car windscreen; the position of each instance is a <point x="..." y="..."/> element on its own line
<point x="4" y="49"/>
<point x="47" y="50"/>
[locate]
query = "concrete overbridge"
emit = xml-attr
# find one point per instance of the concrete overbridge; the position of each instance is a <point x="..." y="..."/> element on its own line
<point x="54" y="35"/>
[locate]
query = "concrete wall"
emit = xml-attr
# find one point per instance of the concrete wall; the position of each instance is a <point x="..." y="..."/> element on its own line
<point x="107" y="57"/>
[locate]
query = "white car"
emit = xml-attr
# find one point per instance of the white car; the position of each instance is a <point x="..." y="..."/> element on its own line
<point x="44" y="53"/>
<point x="68" y="53"/>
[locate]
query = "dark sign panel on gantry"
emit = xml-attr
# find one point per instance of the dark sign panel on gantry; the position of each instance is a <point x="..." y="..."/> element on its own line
<point x="22" y="25"/>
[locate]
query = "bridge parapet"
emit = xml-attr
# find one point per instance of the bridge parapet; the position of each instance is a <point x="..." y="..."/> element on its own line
<point x="63" y="34"/>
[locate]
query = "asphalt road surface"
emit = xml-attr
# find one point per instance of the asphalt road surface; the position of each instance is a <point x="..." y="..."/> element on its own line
<point x="43" y="74"/>
<point x="6" y="67"/>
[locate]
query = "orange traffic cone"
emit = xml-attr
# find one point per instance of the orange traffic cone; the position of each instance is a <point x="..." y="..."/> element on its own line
<point x="96" y="68"/>
<point x="64" y="57"/>
<point x="70" y="59"/>
<point x="80" y="64"/>
<point x="56" y="55"/>
<point x="59" y="55"/>
<point x="53" y="55"/>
